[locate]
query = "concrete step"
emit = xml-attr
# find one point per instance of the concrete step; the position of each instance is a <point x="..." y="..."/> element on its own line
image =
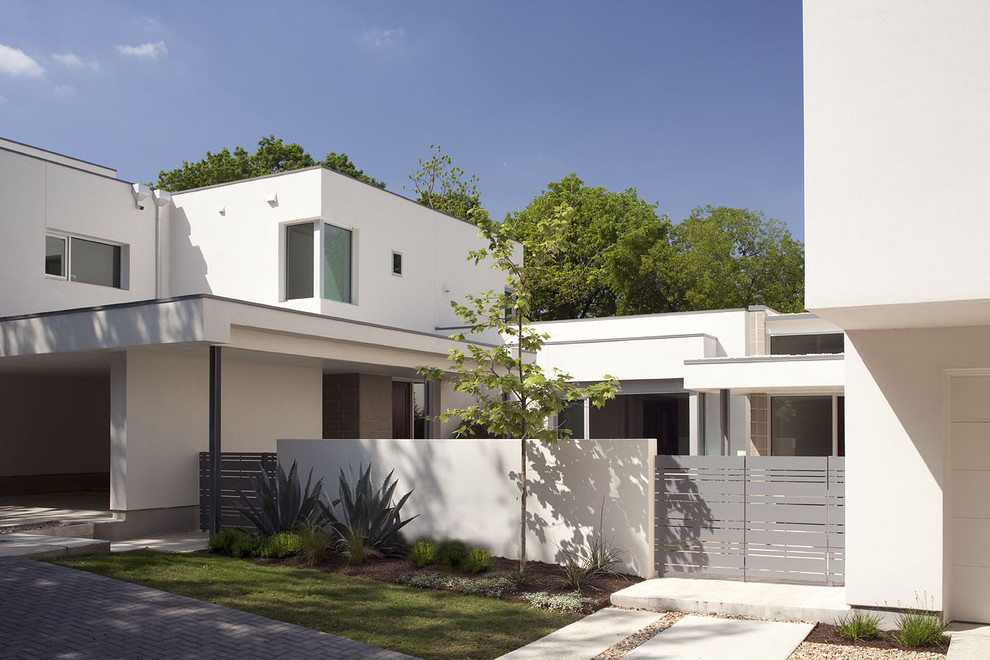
<point x="39" y="546"/>
<point x="757" y="599"/>
<point x="696" y="637"/>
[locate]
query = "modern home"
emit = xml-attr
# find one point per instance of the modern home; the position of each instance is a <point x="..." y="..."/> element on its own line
<point x="725" y="382"/>
<point x="897" y="95"/>
<point x="292" y="305"/>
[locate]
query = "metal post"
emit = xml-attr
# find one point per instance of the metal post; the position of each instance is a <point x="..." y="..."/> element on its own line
<point x="724" y="420"/>
<point x="214" y="439"/>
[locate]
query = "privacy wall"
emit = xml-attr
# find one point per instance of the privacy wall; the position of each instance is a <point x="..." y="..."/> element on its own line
<point x="469" y="490"/>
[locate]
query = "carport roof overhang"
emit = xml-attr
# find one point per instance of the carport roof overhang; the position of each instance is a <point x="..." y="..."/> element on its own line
<point x="773" y="374"/>
<point x="83" y="339"/>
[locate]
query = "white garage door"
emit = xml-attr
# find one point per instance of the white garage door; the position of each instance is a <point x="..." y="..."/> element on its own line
<point x="970" y="483"/>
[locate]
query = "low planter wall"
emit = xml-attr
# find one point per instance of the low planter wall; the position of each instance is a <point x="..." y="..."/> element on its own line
<point x="469" y="490"/>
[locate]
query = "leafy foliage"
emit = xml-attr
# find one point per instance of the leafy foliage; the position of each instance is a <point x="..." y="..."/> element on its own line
<point x="272" y="156"/>
<point x="606" y="233"/>
<point x="491" y="587"/>
<point x="363" y="518"/>
<point x="514" y="396"/>
<point x="859" y="625"/>
<point x="282" y="504"/>
<point x="450" y="553"/>
<point x="559" y="602"/>
<point x="246" y="545"/>
<point x="423" y="553"/>
<point x="224" y="540"/>
<point x="440" y="185"/>
<point x="314" y="544"/>
<point x="476" y="561"/>
<point x="282" y="544"/>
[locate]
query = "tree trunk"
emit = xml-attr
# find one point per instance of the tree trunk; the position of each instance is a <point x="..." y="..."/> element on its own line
<point x="522" y="507"/>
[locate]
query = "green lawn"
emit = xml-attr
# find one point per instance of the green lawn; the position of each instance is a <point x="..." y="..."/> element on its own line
<point x="424" y="623"/>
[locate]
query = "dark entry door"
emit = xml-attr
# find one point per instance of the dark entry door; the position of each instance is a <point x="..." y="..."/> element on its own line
<point x="401" y="409"/>
<point x="660" y="422"/>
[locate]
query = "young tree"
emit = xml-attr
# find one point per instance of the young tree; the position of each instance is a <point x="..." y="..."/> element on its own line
<point x="515" y="397"/>
<point x="271" y="156"/>
<point x="440" y="185"/>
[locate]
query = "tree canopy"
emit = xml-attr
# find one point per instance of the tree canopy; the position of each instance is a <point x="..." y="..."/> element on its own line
<point x="625" y="258"/>
<point x="441" y="185"/>
<point x="272" y="156"/>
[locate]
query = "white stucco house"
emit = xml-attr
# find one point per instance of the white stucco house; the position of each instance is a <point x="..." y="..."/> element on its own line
<point x="323" y="292"/>
<point x="897" y="95"/>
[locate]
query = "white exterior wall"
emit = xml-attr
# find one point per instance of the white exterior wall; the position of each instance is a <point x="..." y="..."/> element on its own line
<point x="240" y="254"/>
<point x="896" y="430"/>
<point x="37" y="196"/>
<point x="468" y="490"/>
<point x="897" y="95"/>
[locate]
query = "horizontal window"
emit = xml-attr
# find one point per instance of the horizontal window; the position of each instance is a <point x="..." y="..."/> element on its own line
<point x="811" y="344"/>
<point x="83" y="260"/>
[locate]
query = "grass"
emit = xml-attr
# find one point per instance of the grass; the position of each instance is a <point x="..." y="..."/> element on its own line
<point x="424" y="623"/>
<point x="918" y="628"/>
<point x="859" y="625"/>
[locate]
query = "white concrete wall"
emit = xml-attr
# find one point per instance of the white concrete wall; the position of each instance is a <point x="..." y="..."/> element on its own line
<point x="54" y="424"/>
<point x="240" y="254"/>
<point x="626" y="359"/>
<point x="469" y="490"/>
<point x="37" y="196"/>
<point x="160" y="413"/>
<point x="896" y="471"/>
<point x="897" y="95"/>
<point x="799" y="324"/>
<point x="767" y="374"/>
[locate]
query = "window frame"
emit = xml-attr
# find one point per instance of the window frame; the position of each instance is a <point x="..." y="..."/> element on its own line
<point x="319" y="290"/>
<point x="397" y="273"/>
<point x="120" y="250"/>
<point x="818" y="340"/>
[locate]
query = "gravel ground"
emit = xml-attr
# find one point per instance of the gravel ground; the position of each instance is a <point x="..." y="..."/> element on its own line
<point x="827" y="644"/>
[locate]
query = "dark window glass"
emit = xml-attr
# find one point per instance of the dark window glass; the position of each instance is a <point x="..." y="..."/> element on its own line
<point x="801" y="426"/>
<point x="95" y="263"/>
<point x="299" y="261"/>
<point x="396" y="263"/>
<point x="336" y="263"/>
<point x="806" y="344"/>
<point x="55" y="256"/>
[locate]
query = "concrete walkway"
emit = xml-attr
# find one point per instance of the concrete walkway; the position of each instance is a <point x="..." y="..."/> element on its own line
<point x="585" y="638"/>
<point x="970" y="641"/>
<point x="707" y="638"/>
<point x="55" y="612"/>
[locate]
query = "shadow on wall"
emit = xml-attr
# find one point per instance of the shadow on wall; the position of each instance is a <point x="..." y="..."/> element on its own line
<point x="580" y="485"/>
<point x="187" y="266"/>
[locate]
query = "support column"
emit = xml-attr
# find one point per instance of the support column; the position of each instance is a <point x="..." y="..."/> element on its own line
<point x="723" y="420"/>
<point x="215" y="363"/>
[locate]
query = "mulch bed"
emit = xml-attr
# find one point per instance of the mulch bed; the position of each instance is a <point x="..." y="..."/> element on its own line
<point x="541" y="577"/>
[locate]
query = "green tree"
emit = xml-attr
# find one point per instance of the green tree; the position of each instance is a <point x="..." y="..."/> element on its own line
<point x="440" y="185"/>
<point x="602" y="272"/>
<point x="271" y="156"/>
<point x="514" y="396"/>
<point x="724" y="257"/>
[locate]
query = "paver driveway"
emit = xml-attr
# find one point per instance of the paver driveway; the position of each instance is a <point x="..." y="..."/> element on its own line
<point x="49" y="611"/>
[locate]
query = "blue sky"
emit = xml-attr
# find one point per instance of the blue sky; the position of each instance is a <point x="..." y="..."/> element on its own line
<point x="690" y="102"/>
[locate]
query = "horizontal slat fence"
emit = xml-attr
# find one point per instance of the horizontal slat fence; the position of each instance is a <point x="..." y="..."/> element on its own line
<point x="756" y="518"/>
<point x="236" y="472"/>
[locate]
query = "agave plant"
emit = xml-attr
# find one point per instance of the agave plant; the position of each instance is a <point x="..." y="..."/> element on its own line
<point x="281" y="504"/>
<point x="364" y="518"/>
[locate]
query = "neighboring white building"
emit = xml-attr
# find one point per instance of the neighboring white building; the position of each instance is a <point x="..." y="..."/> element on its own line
<point x="721" y="382"/>
<point x="897" y="100"/>
<point x="324" y="293"/>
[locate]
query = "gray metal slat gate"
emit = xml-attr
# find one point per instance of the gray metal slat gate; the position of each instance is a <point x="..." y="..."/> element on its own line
<point x="236" y="472"/>
<point x="755" y="518"/>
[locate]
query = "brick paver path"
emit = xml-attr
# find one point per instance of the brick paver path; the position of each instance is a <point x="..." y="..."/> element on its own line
<point x="49" y="611"/>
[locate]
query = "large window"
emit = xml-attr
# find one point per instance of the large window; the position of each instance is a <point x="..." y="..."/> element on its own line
<point x="805" y="426"/>
<point x="831" y="342"/>
<point x="82" y="260"/>
<point x="335" y="263"/>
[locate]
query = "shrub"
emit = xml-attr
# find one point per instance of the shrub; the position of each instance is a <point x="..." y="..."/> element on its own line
<point x="492" y="587"/>
<point x="368" y="521"/>
<point x="558" y="602"/>
<point x="597" y="561"/>
<point x="314" y="544"/>
<point x="245" y="545"/>
<point x="450" y="553"/>
<point x="281" y="504"/>
<point x="281" y="545"/>
<point x="859" y="625"/>
<point x="919" y="628"/>
<point x="423" y="553"/>
<point x="223" y="540"/>
<point x="476" y="561"/>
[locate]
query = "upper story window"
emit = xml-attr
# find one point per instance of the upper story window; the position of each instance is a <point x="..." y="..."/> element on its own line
<point x="82" y="260"/>
<point x="810" y="344"/>
<point x="335" y="261"/>
<point x="396" y="263"/>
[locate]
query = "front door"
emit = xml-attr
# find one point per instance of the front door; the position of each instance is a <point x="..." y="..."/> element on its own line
<point x="401" y="409"/>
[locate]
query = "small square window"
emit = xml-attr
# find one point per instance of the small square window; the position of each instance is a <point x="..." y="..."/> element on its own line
<point x="396" y="263"/>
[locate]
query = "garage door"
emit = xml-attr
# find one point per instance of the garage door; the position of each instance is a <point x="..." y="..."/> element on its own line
<point x="970" y="483"/>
